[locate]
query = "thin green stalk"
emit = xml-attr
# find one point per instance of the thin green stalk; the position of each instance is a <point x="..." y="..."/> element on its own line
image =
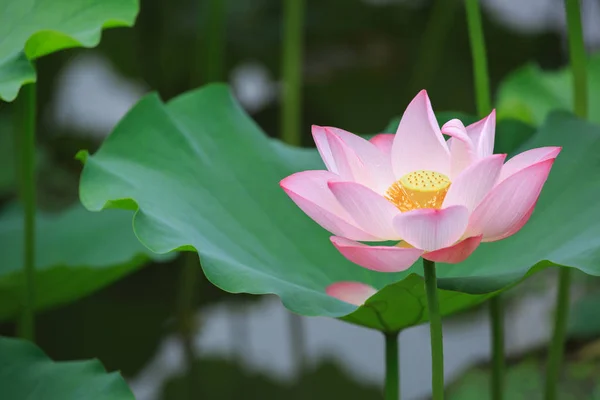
<point x="480" y="70"/>
<point x="392" y="371"/>
<point x="297" y="339"/>
<point x="188" y="286"/>
<point x="578" y="58"/>
<point x="557" y="343"/>
<point x="291" y="109"/>
<point x="429" y="59"/>
<point x="580" y="98"/>
<point x="214" y="58"/>
<point x="496" y="305"/>
<point x="239" y="331"/>
<point x="435" y="328"/>
<point x="25" y="141"/>
<point x="293" y="11"/>
<point x="484" y="106"/>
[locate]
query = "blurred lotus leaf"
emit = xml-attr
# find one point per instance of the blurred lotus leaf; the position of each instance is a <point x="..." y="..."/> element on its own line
<point x="34" y="28"/>
<point x="529" y="94"/>
<point x="525" y="381"/>
<point x="27" y="373"/>
<point x="77" y="253"/>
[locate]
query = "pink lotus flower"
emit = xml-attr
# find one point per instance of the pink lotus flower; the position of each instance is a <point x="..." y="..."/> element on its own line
<point x="439" y="200"/>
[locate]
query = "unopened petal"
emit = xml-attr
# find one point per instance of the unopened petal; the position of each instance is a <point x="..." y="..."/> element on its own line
<point x="419" y="144"/>
<point x="527" y="158"/>
<point x="456" y="253"/>
<point x="456" y="129"/>
<point x="508" y="206"/>
<point x="371" y="211"/>
<point x="351" y="292"/>
<point x="482" y="134"/>
<point x="377" y="258"/>
<point x="462" y="150"/>
<point x="309" y="190"/>
<point x="471" y="186"/>
<point x="430" y="229"/>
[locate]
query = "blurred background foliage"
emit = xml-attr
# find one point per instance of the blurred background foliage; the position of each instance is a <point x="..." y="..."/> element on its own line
<point x="364" y="61"/>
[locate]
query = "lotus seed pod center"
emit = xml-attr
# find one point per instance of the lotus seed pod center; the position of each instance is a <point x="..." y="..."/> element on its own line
<point x="419" y="189"/>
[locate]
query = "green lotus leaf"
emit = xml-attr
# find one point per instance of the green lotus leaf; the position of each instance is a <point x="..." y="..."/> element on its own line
<point x="204" y="177"/>
<point x="33" y="28"/>
<point x="27" y="373"/>
<point x="78" y="252"/>
<point x="529" y="94"/>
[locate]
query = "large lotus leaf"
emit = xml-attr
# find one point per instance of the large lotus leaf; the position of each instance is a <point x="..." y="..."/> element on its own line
<point x="530" y="94"/>
<point x="78" y="252"/>
<point x="33" y="28"/>
<point x="27" y="373"/>
<point x="203" y="176"/>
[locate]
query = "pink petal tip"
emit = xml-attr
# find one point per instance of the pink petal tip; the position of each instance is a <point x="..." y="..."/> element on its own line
<point x="455" y="254"/>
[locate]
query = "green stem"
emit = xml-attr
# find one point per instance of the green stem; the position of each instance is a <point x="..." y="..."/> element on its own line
<point x="432" y="46"/>
<point x="25" y="141"/>
<point x="435" y="327"/>
<point x="557" y="342"/>
<point x="188" y="285"/>
<point x="480" y="70"/>
<point x="392" y="371"/>
<point x="292" y="71"/>
<point x="215" y="40"/>
<point x="580" y="98"/>
<point x="291" y="109"/>
<point x="484" y="106"/>
<point x="497" y="319"/>
<point x="297" y="339"/>
<point x="239" y="331"/>
<point x="578" y="58"/>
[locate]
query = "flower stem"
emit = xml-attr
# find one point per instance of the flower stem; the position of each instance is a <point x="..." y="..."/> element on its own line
<point x="557" y="343"/>
<point x="292" y="71"/>
<point x="480" y="70"/>
<point x="25" y="141"/>
<point x="435" y="328"/>
<point x="297" y="342"/>
<point x="577" y="57"/>
<point x="291" y="109"/>
<point x="484" y="106"/>
<point x="580" y="99"/>
<point x="188" y="286"/>
<point x="496" y="305"/>
<point x="431" y="48"/>
<point x="215" y="41"/>
<point x="392" y="371"/>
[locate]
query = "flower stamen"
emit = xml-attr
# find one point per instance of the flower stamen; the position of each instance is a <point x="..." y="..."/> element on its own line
<point x="419" y="189"/>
